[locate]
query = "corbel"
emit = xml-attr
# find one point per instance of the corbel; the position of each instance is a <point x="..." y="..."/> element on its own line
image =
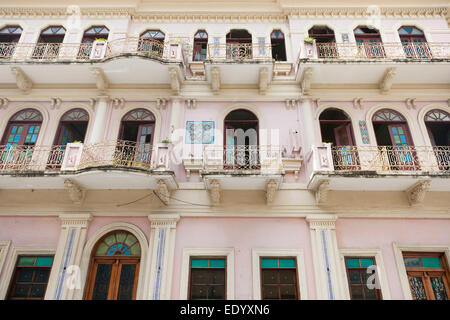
<point x="357" y="103"/>
<point x="161" y="103"/>
<point x="92" y="102"/>
<point x="386" y="81"/>
<point x="162" y="191"/>
<point x="263" y="80"/>
<point x="215" y="80"/>
<point x="23" y="82"/>
<point x="215" y="191"/>
<point x="175" y="80"/>
<point x="411" y="103"/>
<point x="190" y="103"/>
<point x="322" y="191"/>
<point x="291" y="104"/>
<point x="118" y="103"/>
<point x="416" y="194"/>
<point x="55" y="103"/>
<point x="271" y="188"/>
<point x="4" y="103"/>
<point x="101" y="81"/>
<point x="306" y="80"/>
<point x="76" y="192"/>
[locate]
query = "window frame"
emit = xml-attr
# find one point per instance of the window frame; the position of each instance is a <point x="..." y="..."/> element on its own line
<point x="190" y="274"/>
<point x="297" y="291"/>
<point x="298" y="254"/>
<point x="347" y="269"/>
<point x="4" y="249"/>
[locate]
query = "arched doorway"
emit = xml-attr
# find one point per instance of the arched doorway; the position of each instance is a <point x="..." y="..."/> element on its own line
<point x="49" y="43"/>
<point x="239" y="44"/>
<point x="278" y="45"/>
<point x="151" y="42"/>
<point x="336" y="128"/>
<point x="369" y="42"/>
<point x="241" y="140"/>
<point x="414" y="42"/>
<point x="19" y="139"/>
<point x="114" y="268"/>
<point x="200" y="46"/>
<point x="394" y="140"/>
<point x="89" y="36"/>
<point x="325" y="41"/>
<point x="9" y="36"/>
<point x="437" y="123"/>
<point x="136" y="134"/>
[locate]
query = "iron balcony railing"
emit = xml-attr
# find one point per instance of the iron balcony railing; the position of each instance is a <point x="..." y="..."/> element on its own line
<point x="391" y="159"/>
<point x="239" y="51"/>
<point x="117" y="154"/>
<point x="384" y="51"/>
<point x="31" y="158"/>
<point x="242" y="158"/>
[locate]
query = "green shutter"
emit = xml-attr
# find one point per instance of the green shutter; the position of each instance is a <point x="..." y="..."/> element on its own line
<point x="269" y="263"/>
<point x="431" y="262"/>
<point x="44" y="261"/>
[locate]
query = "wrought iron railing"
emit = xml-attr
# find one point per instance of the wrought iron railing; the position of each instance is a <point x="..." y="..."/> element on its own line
<point x="239" y="51"/>
<point x="369" y="51"/>
<point x="242" y="158"/>
<point x="117" y="153"/>
<point x="389" y="158"/>
<point x="145" y="47"/>
<point x="31" y="158"/>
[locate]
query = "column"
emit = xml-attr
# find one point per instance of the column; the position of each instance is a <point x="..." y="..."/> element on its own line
<point x="162" y="251"/>
<point x="101" y="111"/>
<point x="175" y="113"/>
<point x="308" y="121"/>
<point x="325" y="253"/>
<point x="68" y="257"/>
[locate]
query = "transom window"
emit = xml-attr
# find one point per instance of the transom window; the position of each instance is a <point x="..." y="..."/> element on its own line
<point x="357" y="278"/>
<point x="139" y="115"/>
<point x="76" y="115"/>
<point x="119" y="243"/>
<point x="207" y="278"/>
<point x="437" y="115"/>
<point x="410" y="31"/>
<point x="11" y="30"/>
<point x="428" y="275"/>
<point x="279" y="278"/>
<point x="27" y="115"/>
<point x="201" y="34"/>
<point x="30" y="277"/>
<point x="153" y="34"/>
<point x="277" y="34"/>
<point x="97" y="31"/>
<point x="366" y="31"/>
<point x="54" y="30"/>
<point x="387" y="115"/>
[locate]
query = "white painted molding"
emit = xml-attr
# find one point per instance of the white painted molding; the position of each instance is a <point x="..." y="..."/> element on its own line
<point x="4" y="248"/>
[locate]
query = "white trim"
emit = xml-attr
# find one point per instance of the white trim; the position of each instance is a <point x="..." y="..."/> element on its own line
<point x="421" y="119"/>
<point x="192" y="252"/>
<point x="16" y="251"/>
<point x="382" y="277"/>
<point x="301" y="270"/>
<point x="4" y="248"/>
<point x="399" y="248"/>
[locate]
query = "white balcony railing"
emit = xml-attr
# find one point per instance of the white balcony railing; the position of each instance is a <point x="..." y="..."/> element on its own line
<point x="31" y="158"/>
<point x="239" y="51"/>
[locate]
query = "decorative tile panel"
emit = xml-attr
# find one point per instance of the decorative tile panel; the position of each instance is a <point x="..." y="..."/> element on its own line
<point x="199" y="132"/>
<point x="364" y="132"/>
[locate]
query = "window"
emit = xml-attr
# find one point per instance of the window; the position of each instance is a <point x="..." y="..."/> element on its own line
<point x="151" y="42"/>
<point x="278" y="278"/>
<point x="114" y="268"/>
<point x="200" y="45"/>
<point x="9" y="36"/>
<point x="239" y="44"/>
<point x="30" y="277"/>
<point x="428" y="275"/>
<point x="49" y="42"/>
<point x="325" y="41"/>
<point x="278" y="45"/>
<point x="414" y="42"/>
<point x="369" y="42"/>
<point x="357" y="278"/>
<point x="23" y="129"/>
<point x="89" y="36"/>
<point x="207" y="278"/>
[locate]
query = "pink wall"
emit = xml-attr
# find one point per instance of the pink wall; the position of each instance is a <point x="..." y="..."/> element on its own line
<point x="98" y="222"/>
<point x="381" y="233"/>
<point x="242" y="234"/>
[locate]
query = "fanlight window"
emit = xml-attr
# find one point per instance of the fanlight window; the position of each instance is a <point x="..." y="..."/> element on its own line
<point x="119" y="243"/>
<point x="53" y="30"/>
<point x="437" y="115"/>
<point x="139" y="115"/>
<point x="201" y="34"/>
<point x="27" y="115"/>
<point x="277" y="34"/>
<point x="97" y="31"/>
<point x="153" y="34"/>
<point x="410" y="31"/>
<point x="11" y="30"/>
<point x="387" y="115"/>
<point x="365" y="30"/>
<point x="76" y="115"/>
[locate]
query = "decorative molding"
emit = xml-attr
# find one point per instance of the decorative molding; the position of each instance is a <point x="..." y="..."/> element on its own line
<point x="215" y="80"/>
<point x="75" y="219"/>
<point x="357" y="103"/>
<point x="118" y="103"/>
<point x="101" y="81"/>
<point x="76" y="192"/>
<point x="92" y="102"/>
<point x="4" y="103"/>
<point x="161" y="103"/>
<point x="175" y="83"/>
<point x="411" y="103"/>
<point x="190" y="103"/>
<point x="4" y="248"/>
<point x="416" y="194"/>
<point x="385" y="83"/>
<point x="162" y="190"/>
<point x="306" y="80"/>
<point x="214" y="191"/>
<point x="163" y="220"/>
<point x="23" y="82"/>
<point x="291" y="104"/>
<point x="322" y="191"/>
<point x="263" y="80"/>
<point x="55" y="103"/>
<point x="271" y="188"/>
<point x="363" y="12"/>
<point x="322" y="221"/>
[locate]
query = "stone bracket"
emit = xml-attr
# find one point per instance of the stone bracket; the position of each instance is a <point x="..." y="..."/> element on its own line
<point x="190" y="103"/>
<point x="4" y="103"/>
<point x="386" y="81"/>
<point x="214" y="191"/>
<point x="271" y="188"/>
<point x="162" y="191"/>
<point x="416" y="193"/>
<point x="55" y="103"/>
<point x="23" y="82"/>
<point x="357" y="103"/>
<point x="161" y="103"/>
<point x="101" y="81"/>
<point x="411" y="103"/>
<point x="306" y="80"/>
<point x="76" y="192"/>
<point x="263" y="80"/>
<point x="322" y="191"/>
<point x="291" y="104"/>
<point x="175" y="82"/>
<point x="215" y="80"/>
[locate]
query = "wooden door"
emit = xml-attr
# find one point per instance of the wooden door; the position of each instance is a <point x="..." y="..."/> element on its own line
<point x="144" y="143"/>
<point x="401" y="157"/>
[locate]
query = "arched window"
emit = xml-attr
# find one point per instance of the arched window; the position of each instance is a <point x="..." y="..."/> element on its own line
<point x="200" y="45"/>
<point x="49" y="42"/>
<point x="114" y="268"/>
<point x="23" y="128"/>
<point x="241" y="140"/>
<point x="72" y="127"/>
<point x="438" y="127"/>
<point x="96" y="32"/>
<point x="239" y="44"/>
<point x="369" y="42"/>
<point x="414" y="42"/>
<point x="278" y="45"/>
<point x="336" y="127"/>
<point x="151" y="42"/>
<point x="325" y="41"/>
<point x="10" y="34"/>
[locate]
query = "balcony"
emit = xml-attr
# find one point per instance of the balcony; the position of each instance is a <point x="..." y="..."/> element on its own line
<point x="105" y="165"/>
<point x="233" y="52"/>
<point x="379" y="168"/>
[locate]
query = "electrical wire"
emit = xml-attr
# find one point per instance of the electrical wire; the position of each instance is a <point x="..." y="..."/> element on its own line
<point x="156" y="194"/>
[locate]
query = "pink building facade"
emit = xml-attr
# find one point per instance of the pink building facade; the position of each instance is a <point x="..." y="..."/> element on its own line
<point x="269" y="151"/>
